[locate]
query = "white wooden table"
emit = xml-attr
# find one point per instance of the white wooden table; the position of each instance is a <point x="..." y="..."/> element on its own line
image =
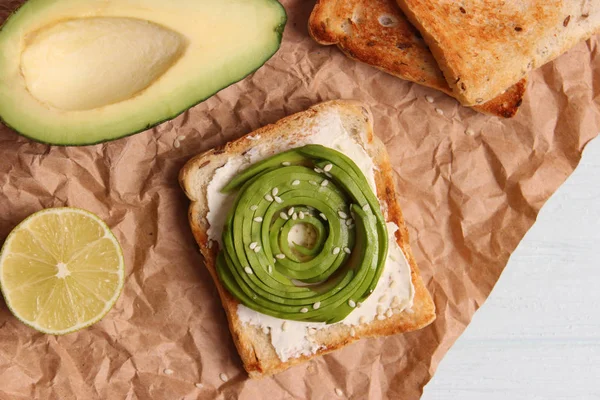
<point x="538" y="334"/>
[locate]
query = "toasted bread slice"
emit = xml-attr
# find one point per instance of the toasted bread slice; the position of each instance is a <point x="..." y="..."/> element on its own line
<point x="485" y="46"/>
<point x="256" y="351"/>
<point x="377" y="33"/>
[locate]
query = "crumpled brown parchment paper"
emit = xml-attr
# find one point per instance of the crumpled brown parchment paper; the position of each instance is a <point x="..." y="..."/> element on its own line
<point x="467" y="199"/>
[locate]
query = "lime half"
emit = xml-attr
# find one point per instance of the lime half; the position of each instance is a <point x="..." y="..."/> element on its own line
<point x="61" y="269"/>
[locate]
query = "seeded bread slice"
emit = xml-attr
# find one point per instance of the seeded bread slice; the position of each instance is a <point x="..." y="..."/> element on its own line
<point x="484" y="46"/>
<point x="377" y="33"/>
<point x="255" y="349"/>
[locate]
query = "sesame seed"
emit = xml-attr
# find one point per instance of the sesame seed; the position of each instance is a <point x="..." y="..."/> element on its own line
<point x="439" y="111"/>
<point x="284" y="326"/>
<point x="347" y="250"/>
<point x="296" y="182"/>
<point x="274" y="191"/>
<point x="429" y="99"/>
<point x="198" y="385"/>
<point x="393" y="258"/>
<point x="181" y="138"/>
<point x="254" y="207"/>
<point x="248" y="270"/>
<point x="336" y="250"/>
<point x="380" y="309"/>
<point x="339" y="392"/>
<point x="351" y="303"/>
<point x="278" y="199"/>
<point x="327" y="168"/>
<point x="318" y="170"/>
<point x="312" y="331"/>
<point x="323" y="216"/>
<point x="366" y="207"/>
<point x="324" y="183"/>
<point x="286" y="163"/>
<point x="469" y="132"/>
<point x="265" y="330"/>
<point x="284" y="215"/>
<point x="168" y="371"/>
<point x="258" y="219"/>
<point x="381" y="317"/>
<point x="304" y="310"/>
<point x="358" y="304"/>
<point x="291" y="211"/>
<point x="362" y="320"/>
<point x="294" y="216"/>
<point x="348" y="222"/>
<point x="257" y="249"/>
<point x="268" y="197"/>
<point x="395" y="301"/>
<point x="253" y="245"/>
<point x="351" y="226"/>
<point x="410" y="311"/>
<point x="327" y="174"/>
<point x="317" y="305"/>
<point x="342" y="215"/>
<point x="301" y="215"/>
<point x="313" y="183"/>
<point x="352" y="332"/>
<point x="223" y="377"/>
<point x="389" y="313"/>
<point x="393" y="285"/>
<point x="176" y="144"/>
<point x="382" y="298"/>
<point x="270" y="269"/>
<point x="280" y="256"/>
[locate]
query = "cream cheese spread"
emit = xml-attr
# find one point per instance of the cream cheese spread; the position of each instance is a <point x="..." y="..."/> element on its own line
<point x="394" y="291"/>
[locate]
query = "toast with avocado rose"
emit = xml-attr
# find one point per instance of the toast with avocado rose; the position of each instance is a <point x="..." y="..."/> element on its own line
<point x="301" y="230"/>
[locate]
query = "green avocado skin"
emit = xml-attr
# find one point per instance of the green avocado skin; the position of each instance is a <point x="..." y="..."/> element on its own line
<point x="82" y="138"/>
<point x="324" y="190"/>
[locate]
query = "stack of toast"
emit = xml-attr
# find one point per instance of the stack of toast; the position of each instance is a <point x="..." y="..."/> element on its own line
<point x="478" y="52"/>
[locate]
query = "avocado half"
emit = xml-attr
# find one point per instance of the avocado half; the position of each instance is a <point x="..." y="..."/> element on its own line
<point x="78" y="72"/>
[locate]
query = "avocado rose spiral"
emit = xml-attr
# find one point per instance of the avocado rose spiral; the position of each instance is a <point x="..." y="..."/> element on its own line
<point x="325" y="192"/>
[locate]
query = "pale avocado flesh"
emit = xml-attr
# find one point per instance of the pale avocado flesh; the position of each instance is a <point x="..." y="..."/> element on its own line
<point x="81" y="72"/>
<point x="312" y="185"/>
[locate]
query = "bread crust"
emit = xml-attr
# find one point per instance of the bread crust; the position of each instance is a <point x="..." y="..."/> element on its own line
<point x="357" y="28"/>
<point x="257" y="353"/>
<point x="485" y="46"/>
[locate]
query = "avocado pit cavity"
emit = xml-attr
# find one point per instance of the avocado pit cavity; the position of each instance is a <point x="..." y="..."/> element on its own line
<point x="88" y="63"/>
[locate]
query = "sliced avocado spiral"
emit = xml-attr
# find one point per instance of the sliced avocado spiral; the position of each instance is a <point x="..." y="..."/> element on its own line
<point x="325" y="191"/>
